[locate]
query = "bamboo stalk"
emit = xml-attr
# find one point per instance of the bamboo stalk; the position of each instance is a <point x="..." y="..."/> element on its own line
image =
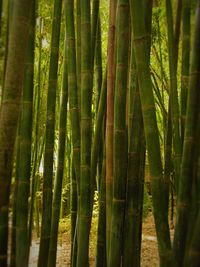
<point x="73" y="86"/>
<point x="101" y="235"/>
<point x="49" y="145"/>
<point x="151" y="133"/>
<point x="10" y="106"/>
<point x="185" y="184"/>
<point x="110" y="119"/>
<point x="175" y="116"/>
<point x="84" y="211"/>
<point x="24" y="161"/>
<point x="60" y="166"/>
<point x="120" y="134"/>
<point x="185" y="61"/>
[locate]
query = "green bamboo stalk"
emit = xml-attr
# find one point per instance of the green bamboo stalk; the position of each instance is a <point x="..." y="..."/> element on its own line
<point x="38" y="146"/>
<point x="14" y="200"/>
<point x="98" y="131"/>
<point x="24" y="161"/>
<point x="163" y="79"/>
<point x="49" y="146"/>
<point x="177" y="27"/>
<point x="185" y="184"/>
<point x="168" y="153"/>
<point x="147" y="20"/>
<point x="196" y="179"/>
<point x="151" y="133"/>
<point x="173" y="92"/>
<point x="185" y="61"/>
<point x="94" y="26"/>
<point x="34" y="187"/>
<point x="60" y="167"/>
<point x="73" y="86"/>
<point x="13" y="234"/>
<point x="10" y="106"/>
<point x="101" y="235"/>
<point x="110" y="119"/>
<point x="1" y="5"/>
<point x="84" y="211"/>
<point x="74" y="206"/>
<point x="193" y="253"/>
<point x="136" y="156"/>
<point x="9" y="15"/>
<point x="120" y="133"/>
<point x="74" y="80"/>
<point x="78" y="50"/>
<point x="132" y="221"/>
<point x="1" y="57"/>
<point x="98" y="66"/>
<point x="97" y="85"/>
<point x="4" y="237"/>
<point x="132" y="227"/>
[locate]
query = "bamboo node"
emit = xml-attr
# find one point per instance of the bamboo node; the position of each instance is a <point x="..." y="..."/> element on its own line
<point x="118" y="200"/>
<point x="141" y="38"/>
<point x="194" y="253"/>
<point x="148" y="107"/>
<point x="189" y="140"/>
<point x="2" y="257"/>
<point x="86" y="167"/>
<point x="183" y="205"/>
<point x="76" y="149"/>
<point x="23" y="182"/>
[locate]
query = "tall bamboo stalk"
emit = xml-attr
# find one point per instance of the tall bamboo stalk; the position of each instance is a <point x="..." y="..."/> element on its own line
<point x="132" y="223"/>
<point x="175" y="116"/>
<point x="49" y="146"/>
<point x="94" y="26"/>
<point x="98" y="131"/>
<point x="72" y="86"/>
<point x="13" y="234"/>
<point x="38" y="146"/>
<point x="78" y="50"/>
<point x="74" y="104"/>
<point x="10" y="106"/>
<point x="120" y="133"/>
<point x="60" y="166"/>
<point x="110" y="119"/>
<point x="132" y="227"/>
<point x="192" y="256"/>
<point x="151" y="133"/>
<point x="9" y="15"/>
<point x="74" y="209"/>
<point x="101" y="236"/>
<point x="24" y="161"/>
<point x="98" y="65"/>
<point x="185" y="184"/>
<point x="177" y="28"/>
<point x="84" y="212"/>
<point x="1" y="5"/>
<point x="185" y="61"/>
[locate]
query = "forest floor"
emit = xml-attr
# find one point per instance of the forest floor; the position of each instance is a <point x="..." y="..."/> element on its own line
<point x="149" y="245"/>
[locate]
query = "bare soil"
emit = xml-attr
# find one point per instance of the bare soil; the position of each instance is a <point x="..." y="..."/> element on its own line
<point x="149" y="257"/>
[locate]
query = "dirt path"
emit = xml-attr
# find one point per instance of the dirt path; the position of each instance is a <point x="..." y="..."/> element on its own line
<point x="149" y="257"/>
<point x="149" y="248"/>
<point x="62" y="257"/>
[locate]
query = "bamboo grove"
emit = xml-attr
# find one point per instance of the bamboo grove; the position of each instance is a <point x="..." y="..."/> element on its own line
<point x="93" y="96"/>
